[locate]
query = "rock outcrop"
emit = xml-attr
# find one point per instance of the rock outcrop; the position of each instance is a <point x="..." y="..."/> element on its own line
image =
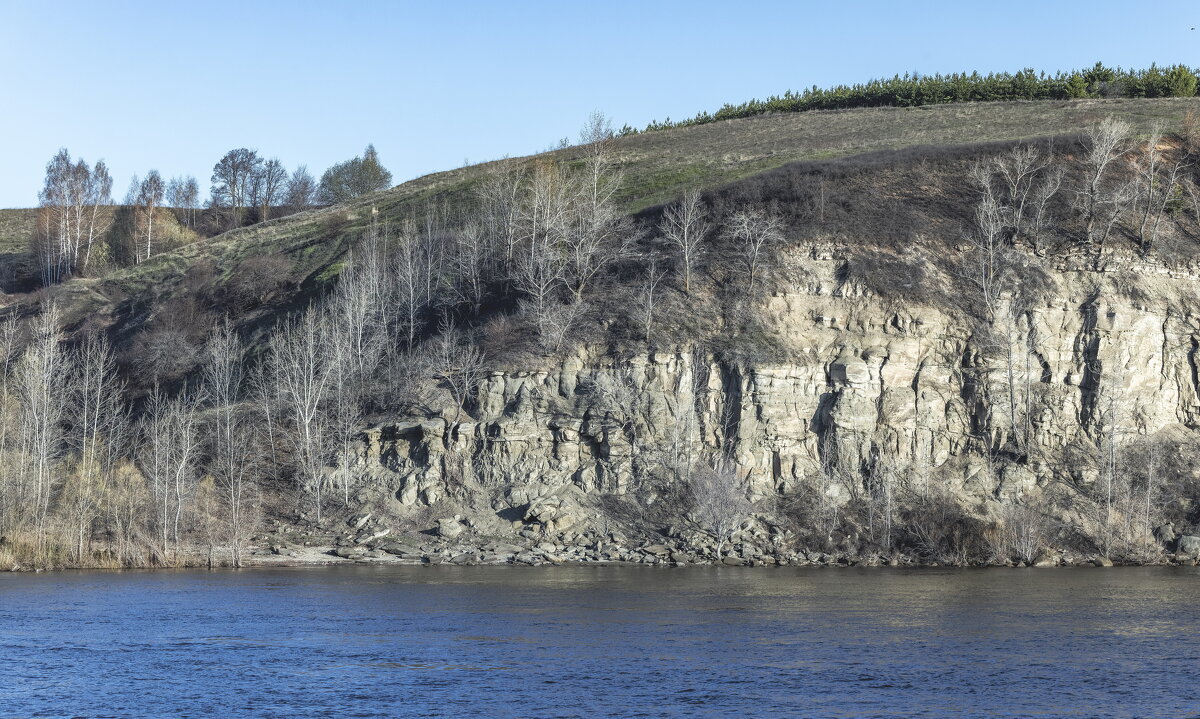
<point x="855" y="381"/>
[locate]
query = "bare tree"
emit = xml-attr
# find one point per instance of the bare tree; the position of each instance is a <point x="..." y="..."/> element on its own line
<point x="302" y="361"/>
<point x="989" y="263"/>
<point x="470" y="264"/>
<point x="231" y="446"/>
<point x="457" y="364"/>
<point x="358" y="307"/>
<point x="126" y="505"/>
<point x="171" y="444"/>
<point x="619" y="403"/>
<point x="755" y="233"/>
<point x="358" y="338"/>
<point x="41" y="379"/>
<point x="541" y="266"/>
<point x="557" y="323"/>
<point x="648" y="296"/>
<point x="269" y="183"/>
<point x="499" y="200"/>
<point x="232" y="181"/>
<point x="719" y="502"/>
<point x="191" y="199"/>
<point x="301" y="190"/>
<point x="598" y="130"/>
<point x="97" y="438"/>
<point x="1108" y="141"/>
<point x="685" y="225"/>
<point x="1018" y="168"/>
<point x="1028" y="530"/>
<point x="12" y="487"/>
<point x="409" y="268"/>
<point x="1157" y="182"/>
<point x="1041" y="198"/>
<point x="597" y="228"/>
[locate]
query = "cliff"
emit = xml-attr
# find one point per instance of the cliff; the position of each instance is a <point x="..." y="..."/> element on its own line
<point x="861" y="389"/>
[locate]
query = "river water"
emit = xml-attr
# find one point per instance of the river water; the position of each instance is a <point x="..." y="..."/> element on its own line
<point x="393" y="641"/>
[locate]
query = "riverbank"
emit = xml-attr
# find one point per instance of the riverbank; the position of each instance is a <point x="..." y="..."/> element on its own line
<point x="546" y="553"/>
<point x="288" y="546"/>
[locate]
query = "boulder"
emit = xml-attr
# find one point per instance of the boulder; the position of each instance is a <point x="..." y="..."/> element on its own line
<point x="554" y="513"/>
<point x="449" y="528"/>
<point x="401" y="550"/>
<point x="1045" y="559"/>
<point x="367" y="535"/>
<point x="1165" y="533"/>
<point x="1188" y="546"/>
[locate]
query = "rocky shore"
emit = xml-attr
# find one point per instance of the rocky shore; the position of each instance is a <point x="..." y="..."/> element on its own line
<point x="453" y="543"/>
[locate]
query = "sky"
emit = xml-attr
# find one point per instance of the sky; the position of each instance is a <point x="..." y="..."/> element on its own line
<point x="172" y="85"/>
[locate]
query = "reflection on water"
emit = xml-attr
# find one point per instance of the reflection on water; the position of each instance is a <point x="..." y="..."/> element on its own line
<point x="602" y="641"/>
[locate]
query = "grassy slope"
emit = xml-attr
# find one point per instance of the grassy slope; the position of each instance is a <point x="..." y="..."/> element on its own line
<point x="656" y="166"/>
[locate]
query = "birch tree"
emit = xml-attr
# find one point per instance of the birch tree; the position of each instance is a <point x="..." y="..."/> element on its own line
<point x="301" y="359"/>
<point x="97" y="439"/>
<point x="171" y="447"/>
<point x="42" y="388"/>
<point x="231" y="446"/>
<point x="595" y="236"/>
<point x="150" y="194"/>
<point x="75" y="210"/>
<point x="684" y="226"/>
<point x="541" y="266"/>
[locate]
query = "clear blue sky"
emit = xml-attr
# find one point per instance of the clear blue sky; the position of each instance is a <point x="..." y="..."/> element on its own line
<point x="173" y="85"/>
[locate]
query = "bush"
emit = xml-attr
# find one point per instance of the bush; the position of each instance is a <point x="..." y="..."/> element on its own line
<point x="254" y="281"/>
<point x="936" y="527"/>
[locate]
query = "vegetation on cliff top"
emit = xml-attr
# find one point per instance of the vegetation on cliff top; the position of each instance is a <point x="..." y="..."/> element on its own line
<point x="916" y="90"/>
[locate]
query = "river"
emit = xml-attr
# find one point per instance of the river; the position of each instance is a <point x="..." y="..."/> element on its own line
<point x="601" y="642"/>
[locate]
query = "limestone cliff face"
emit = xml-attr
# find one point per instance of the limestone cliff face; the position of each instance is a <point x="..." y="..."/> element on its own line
<point x="865" y="381"/>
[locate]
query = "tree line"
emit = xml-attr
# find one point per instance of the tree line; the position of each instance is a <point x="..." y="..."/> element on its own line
<point x="80" y="227"/>
<point x="913" y="90"/>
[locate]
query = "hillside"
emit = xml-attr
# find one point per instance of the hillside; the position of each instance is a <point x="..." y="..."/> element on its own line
<point x="16" y="269"/>
<point x="655" y="167"/>
<point x="863" y="385"/>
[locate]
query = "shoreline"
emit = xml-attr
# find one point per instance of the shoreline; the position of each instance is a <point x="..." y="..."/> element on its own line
<point x="496" y="554"/>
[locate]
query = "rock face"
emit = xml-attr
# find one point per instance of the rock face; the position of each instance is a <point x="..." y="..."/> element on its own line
<point x="855" y="377"/>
